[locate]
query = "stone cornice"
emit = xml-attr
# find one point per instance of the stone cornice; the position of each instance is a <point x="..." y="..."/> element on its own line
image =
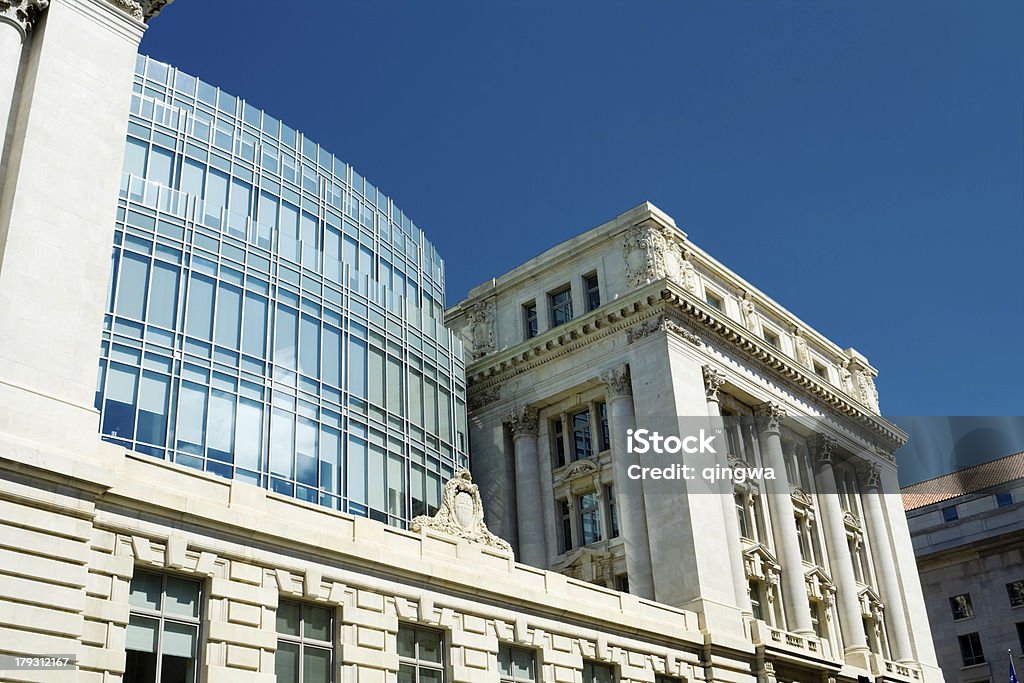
<point x="666" y="297"/>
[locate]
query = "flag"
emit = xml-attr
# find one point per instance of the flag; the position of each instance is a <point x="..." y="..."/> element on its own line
<point x="1013" y="674"/>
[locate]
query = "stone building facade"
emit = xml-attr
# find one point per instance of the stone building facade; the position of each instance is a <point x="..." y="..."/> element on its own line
<point x="630" y="322"/>
<point x="968" y="533"/>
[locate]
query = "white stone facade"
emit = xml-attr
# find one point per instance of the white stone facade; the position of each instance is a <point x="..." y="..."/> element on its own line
<point x="821" y="579"/>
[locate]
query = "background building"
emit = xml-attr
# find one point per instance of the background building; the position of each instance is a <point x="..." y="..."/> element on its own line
<point x="272" y="316"/>
<point x="968" y="533"/>
<point x="630" y="322"/>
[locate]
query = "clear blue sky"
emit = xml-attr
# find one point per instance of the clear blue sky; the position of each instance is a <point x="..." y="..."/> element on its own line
<point x="859" y="162"/>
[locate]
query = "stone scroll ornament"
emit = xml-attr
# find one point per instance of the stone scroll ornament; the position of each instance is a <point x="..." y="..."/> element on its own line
<point x="461" y="514"/>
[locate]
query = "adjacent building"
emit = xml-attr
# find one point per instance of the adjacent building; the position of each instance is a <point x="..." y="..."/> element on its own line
<point x="629" y="326"/>
<point x="262" y="478"/>
<point x="968" y="533"/>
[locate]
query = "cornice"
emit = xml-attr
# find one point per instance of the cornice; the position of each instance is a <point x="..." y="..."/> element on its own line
<point x="666" y="297"/>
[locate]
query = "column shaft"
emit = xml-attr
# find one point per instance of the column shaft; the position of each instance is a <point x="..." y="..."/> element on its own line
<point x="10" y="62"/>
<point x="532" y="538"/>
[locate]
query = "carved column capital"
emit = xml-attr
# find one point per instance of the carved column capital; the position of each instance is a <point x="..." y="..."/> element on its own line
<point x="523" y="421"/>
<point x="713" y="381"/>
<point x="617" y="381"/>
<point x="769" y="415"/>
<point x="22" y="14"/>
<point x="822" y="448"/>
<point x="140" y="10"/>
<point x="869" y="474"/>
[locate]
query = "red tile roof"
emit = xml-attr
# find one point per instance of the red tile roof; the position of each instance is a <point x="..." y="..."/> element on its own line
<point x="968" y="480"/>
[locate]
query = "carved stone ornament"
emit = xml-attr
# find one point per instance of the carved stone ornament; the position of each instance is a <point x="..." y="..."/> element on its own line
<point x="713" y="381"/>
<point x="660" y="324"/>
<point x="140" y="10"/>
<point x="22" y="14"/>
<point x="822" y="447"/>
<point x="578" y="469"/>
<point x="871" y="476"/>
<point x="461" y="514"/>
<point x="769" y="416"/>
<point x="485" y="397"/>
<point x="481" y="329"/>
<point x="846" y="378"/>
<point x="802" y="353"/>
<point x="749" y="313"/>
<point x="650" y="254"/>
<point x="523" y="421"/>
<point x="617" y="381"/>
<point x="687" y="273"/>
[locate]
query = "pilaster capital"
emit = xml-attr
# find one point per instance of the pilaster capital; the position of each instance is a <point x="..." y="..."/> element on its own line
<point x="769" y="416"/>
<point x="869" y="475"/>
<point x="822" y="449"/>
<point x="617" y="381"/>
<point x="523" y="421"/>
<point x="22" y="14"/>
<point x="713" y="381"/>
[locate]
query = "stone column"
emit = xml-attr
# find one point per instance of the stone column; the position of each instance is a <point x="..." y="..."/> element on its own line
<point x="885" y="570"/>
<point x="16" y="20"/>
<point x="839" y="559"/>
<point x="713" y="380"/>
<point x="794" y="587"/>
<point x="629" y="493"/>
<point x="532" y="540"/>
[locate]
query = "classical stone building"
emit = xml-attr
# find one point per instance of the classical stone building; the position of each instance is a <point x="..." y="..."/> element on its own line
<point x="631" y="322"/>
<point x="968" y="533"/>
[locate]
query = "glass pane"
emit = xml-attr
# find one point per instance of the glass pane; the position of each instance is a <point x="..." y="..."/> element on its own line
<point x="523" y="664"/>
<point x="119" y="409"/>
<point x="152" y="426"/>
<point x="406" y="641"/>
<point x="284" y="346"/>
<point x="135" y="157"/>
<point x="248" y="434"/>
<point x="191" y="418"/>
<point x="317" y="623"/>
<point x="145" y="591"/>
<point x="139" y="666"/>
<point x="332" y="355"/>
<point x="309" y="347"/>
<point x="504" y="661"/>
<point x="282" y="427"/>
<point x="163" y="299"/>
<point x="141" y="634"/>
<point x="229" y="312"/>
<point x="199" y="319"/>
<point x="316" y="665"/>
<point x="288" y="618"/>
<point x="430" y="646"/>
<point x="179" y="639"/>
<point x="430" y="676"/>
<point x="182" y="597"/>
<point x="192" y="173"/>
<point x="357" y="366"/>
<point x="131" y="291"/>
<point x="161" y="163"/>
<point x="254" y="339"/>
<point x="406" y="674"/>
<point x="286" y="662"/>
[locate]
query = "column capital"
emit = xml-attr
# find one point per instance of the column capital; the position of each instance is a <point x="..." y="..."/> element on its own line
<point x="617" y="381"/>
<point x="822" y="449"/>
<point x="139" y="10"/>
<point x="22" y="14"/>
<point x="869" y="475"/>
<point x="713" y="381"/>
<point x="769" y="415"/>
<point x="523" y="421"/>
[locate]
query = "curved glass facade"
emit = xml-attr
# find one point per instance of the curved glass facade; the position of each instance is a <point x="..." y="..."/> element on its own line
<point x="273" y="317"/>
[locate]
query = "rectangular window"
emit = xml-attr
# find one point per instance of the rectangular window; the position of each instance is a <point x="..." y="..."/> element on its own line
<point x="771" y="339"/>
<point x="756" y="600"/>
<point x="559" y="443"/>
<point x="583" y="445"/>
<point x="560" y="303"/>
<point x="162" y="639"/>
<point x="597" y="673"/>
<point x="1015" y="592"/>
<point x="1004" y="500"/>
<point x="816" y="618"/>
<point x="613" y="511"/>
<point x="602" y="410"/>
<point x="961" y="606"/>
<point x="590" y="518"/>
<point x="622" y="583"/>
<point x="820" y="370"/>
<point x="949" y="514"/>
<point x="516" y="665"/>
<point x="714" y="301"/>
<point x="199" y="316"/>
<point x="970" y="649"/>
<point x="741" y="514"/>
<point x="566" y="514"/>
<point x="530" y="319"/>
<point x="1020" y="634"/>
<point x="305" y="643"/>
<point x="420" y="655"/>
<point x="591" y="291"/>
<point x="131" y="291"/>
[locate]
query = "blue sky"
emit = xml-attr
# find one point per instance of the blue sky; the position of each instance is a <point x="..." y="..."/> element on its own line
<point x="859" y="162"/>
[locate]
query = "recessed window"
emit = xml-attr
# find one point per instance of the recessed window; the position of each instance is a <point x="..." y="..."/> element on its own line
<point x="566" y="514"/>
<point x="613" y="511"/>
<point x="597" y="673"/>
<point x="591" y="291"/>
<point x="305" y="643"/>
<point x="622" y="583"/>
<point x="1015" y="592"/>
<point x="816" y="617"/>
<point x="420" y="655"/>
<point x="771" y="339"/>
<point x="560" y="303"/>
<point x="590" y="518"/>
<point x="162" y="640"/>
<point x="820" y="370"/>
<point x="714" y="301"/>
<point x="530" y="319"/>
<point x="665" y="679"/>
<point x="602" y="411"/>
<point x="582" y="442"/>
<point x="950" y="514"/>
<point x="961" y="606"/>
<point x="516" y="665"/>
<point x="1004" y="500"/>
<point x="970" y="649"/>
<point x="559" y="436"/>
<point x="756" y="599"/>
<point x="1020" y="634"/>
